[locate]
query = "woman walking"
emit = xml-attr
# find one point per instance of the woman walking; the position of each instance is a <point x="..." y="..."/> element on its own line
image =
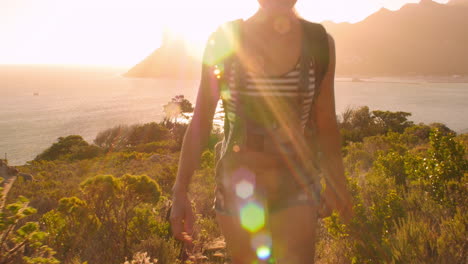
<point x="275" y="75"/>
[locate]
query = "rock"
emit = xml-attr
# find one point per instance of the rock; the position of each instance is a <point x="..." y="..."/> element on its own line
<point x="7" y="171"/>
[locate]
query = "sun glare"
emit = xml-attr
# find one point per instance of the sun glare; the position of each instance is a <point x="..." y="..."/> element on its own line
<point x="122" y="32"/>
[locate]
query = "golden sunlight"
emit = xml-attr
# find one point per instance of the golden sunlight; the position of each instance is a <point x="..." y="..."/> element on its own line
<point x="122" y="32"/>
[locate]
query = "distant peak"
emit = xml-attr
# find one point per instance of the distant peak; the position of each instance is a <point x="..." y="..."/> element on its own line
<point x="458" y="3"/>
<point x="384" y="10"/>
<point x="422" y="3"/>
<point x="426" y="2"/>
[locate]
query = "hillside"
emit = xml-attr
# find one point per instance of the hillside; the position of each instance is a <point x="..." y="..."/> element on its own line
<point x="109" y="201"/>
<point x="171" y="60"/>
<point x="419" y="39"/>
<point x="458" y="2"/>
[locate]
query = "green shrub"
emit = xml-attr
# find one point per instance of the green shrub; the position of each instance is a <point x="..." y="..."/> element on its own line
<point x="17" y="235"/>
<point x="412" y="242"/>
<point x="160" y="147"/>
<point x="72" y="147"/>
<point x="452" y="245"/>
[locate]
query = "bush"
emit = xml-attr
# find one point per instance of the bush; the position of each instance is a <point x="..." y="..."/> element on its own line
<point x="146" y="133"/>
<point x="104" y="225"/>
<point x="452" y="246"/>
<point x="443" y="161"/>
<point x="113" y="138"/>
<point x="165" y="251"/>
<point x="72" y="147"/>
<point x="160" y="147"/>
<point x="412" y="242"/>
<point x="22" y="243"/>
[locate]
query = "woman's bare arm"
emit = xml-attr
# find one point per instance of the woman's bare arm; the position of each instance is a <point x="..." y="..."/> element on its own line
<point x="196" y="138"/>
<point x="330" y="141"/>
<point x="198" y="131"/>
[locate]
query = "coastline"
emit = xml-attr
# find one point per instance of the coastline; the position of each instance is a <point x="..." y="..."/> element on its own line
<point x="411" y="79"/>
<point x="416" y="79"/>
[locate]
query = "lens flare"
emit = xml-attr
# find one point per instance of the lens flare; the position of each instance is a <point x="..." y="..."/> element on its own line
<point x="243" y="174"/>
<point x="244" y="189"/>
<point x="222" y="46"/>
<point x="252" y="217"/>
<point x="263" y="252"/>
<point x="225" y="94"/>
<point x="261" y="239"/>
<point x="231" y="116"/>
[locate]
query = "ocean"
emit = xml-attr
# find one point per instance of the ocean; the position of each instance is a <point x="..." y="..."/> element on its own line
<point x="38" y="104"/>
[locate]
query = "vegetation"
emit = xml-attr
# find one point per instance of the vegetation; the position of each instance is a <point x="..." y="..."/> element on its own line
<point x="72" y="147"/>
<point x="18" y="236"/>
<point x="108" y="202"/>
<point x="176" y="107"/>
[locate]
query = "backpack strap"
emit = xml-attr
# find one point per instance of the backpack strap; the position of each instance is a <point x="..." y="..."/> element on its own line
<point x="315" y="50"/>
<point x="227" y="43"/>
<point x="316" y="38"/>
<point x="316" y="42"/>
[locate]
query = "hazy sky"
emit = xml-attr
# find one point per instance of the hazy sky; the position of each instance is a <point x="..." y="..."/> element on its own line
<point x="122" y="32"/>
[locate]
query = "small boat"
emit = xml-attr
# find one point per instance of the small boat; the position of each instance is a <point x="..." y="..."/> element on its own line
<point x="35" y="93"/>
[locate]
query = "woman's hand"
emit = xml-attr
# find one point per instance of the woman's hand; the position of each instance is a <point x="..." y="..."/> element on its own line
<point x="182" y="217"/>
<point x="330" y="201"/>
<point x="336" y="195"/>
<point x="345" y="208"/>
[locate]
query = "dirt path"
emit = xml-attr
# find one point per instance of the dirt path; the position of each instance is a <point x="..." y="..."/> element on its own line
<point x="6" y="184"/>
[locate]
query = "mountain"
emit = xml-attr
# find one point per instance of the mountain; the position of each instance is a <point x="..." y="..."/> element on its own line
<point x="170" y="61"/>
<point x="458" y="2"/>
<point x="419" y="39"/>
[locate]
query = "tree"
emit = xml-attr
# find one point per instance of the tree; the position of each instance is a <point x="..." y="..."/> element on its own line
<point x="356" y="124"/>
<point x="72" y="147"/>
<point x="176" y="107"/>
<point x="392" y="121"/>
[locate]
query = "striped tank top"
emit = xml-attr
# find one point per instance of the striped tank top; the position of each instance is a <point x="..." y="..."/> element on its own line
<point x="285" y="85"/>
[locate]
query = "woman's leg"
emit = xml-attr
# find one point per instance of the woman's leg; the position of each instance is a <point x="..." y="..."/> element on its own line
<point x="238" y="240"/>
<point x="293" y="231"/>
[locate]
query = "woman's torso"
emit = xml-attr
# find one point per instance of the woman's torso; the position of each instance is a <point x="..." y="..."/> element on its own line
<point x="265" y="52"/>
<point x="275" y="96"/>
<point x="267" y="111"/>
